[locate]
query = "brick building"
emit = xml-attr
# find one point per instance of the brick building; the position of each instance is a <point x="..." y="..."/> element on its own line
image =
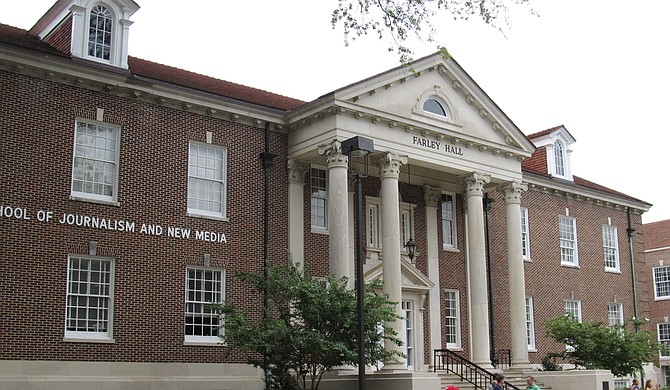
<point x="657" y="255"/>
<point x="148" y="192"/>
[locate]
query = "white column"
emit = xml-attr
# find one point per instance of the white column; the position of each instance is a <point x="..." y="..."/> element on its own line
<point x="389" y="172"/>
<point x="479" y="316"/>
<point x="338" y="209"/>
<point x="517" y="285"/>
<point x="432" y="197"/>
<point x="296" y="212"/>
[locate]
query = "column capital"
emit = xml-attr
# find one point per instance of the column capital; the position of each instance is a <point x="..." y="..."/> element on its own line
<point x="474" y="183"/>
<point x="296" y="170"/>
<point x="432" y="195"/>
<point x="512" y="191"/>
<point x="389" y="165"/>
<point x="334" y="155"/>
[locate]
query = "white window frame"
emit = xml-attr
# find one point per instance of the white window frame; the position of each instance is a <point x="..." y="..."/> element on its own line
<point x="408" y="328"/>
<point x="525" y="234"/>
<point x="83" y="302"/>
<point x="664" y="338"/>
<point x="373" y="207"/>
<point x="454" y="316"/>
<point x="112" y="32"/>
<point x="574" y="307"/>
<point x="568" y="241"/>
<point x="530" y="323"/>
<point x="406" y="224"/>
<point x="94" y="156"/>
<point x="199" y="309"/>
<point x="614" y="314"/>
<point x="443" y="105"/>
<point x="560" y="167"/>
<point x="318" y="194"/>
<point x="620" y="384"/>
<point x="199" y="174"/>
<point x="449" y="241"/>
<point x="611" y="248"/>
<point x="661" y="275"/>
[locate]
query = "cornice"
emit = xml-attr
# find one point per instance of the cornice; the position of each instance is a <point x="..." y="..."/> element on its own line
<point x="119" y="82"/>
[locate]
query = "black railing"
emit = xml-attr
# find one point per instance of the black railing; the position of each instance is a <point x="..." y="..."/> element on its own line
<point x="502" y="359"/>
<point x="445" y="360"/>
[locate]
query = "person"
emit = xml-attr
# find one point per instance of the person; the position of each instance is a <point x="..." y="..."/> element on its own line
<point x="493" y="384"/>
<point x="530" y="381"/>
<point x="500" y="382"/>
<point x="649" y="385"/>
<point x="636" y="385"/>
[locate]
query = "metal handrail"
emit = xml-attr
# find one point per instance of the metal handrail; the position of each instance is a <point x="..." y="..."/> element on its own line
<point x="446" y="360"/>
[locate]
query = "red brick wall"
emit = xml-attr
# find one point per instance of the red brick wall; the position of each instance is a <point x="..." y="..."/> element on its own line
<point x="658" y="309"/>
<point x="37" y="124"/>
<point x="61" y="36"/>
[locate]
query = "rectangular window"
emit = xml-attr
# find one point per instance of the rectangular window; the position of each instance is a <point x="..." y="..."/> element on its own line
<point x="207" y="166"/>
<point x="611" y="248"/>
<point x="662" y="282"/>
<point x="448" y="222"/>
<point x="614" y="314"/>
<point x="319" y="198"/>
<point x="373" y="225"/>
<point x="621" y="384"/>
<point x="405" y="228"/>
<point x="568" y="235"/>
<point x="95" y="161"/>
<point x="88" y="312"/>
<point x="525" y="234"/>
<point x="452" y="319"/>
<point x="408" y="332"/>
<point x="664" y="338"/>
<point x="203" y="286"/>
<point x="574" y="307"/>
<point x="530" y="323"/>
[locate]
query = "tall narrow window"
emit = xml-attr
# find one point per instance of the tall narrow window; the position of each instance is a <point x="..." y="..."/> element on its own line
<point x="662" y="282"/>
<point x="530" y="323"/>
<point x="88" y="312"/>
<point x="207" y="180"/>
<point x="611" y="248"/>
<point x="203" y="286"/>
<point x="96" y="160"/>
<point x="373" y="226"/>
<point x="559" y="158"/>
<point x="448" y="222"/>
<point x="405" y="227"/>
<point x="664" y="338"/>
<point x="319" y="198"/>
<point x="614" y="314"/>
<point x="568" y="237"/>
<point x="100" y="33"/>
<point x="452" y="319"/>
<point x="525" y="234"/>
<point x="408" y="330"/>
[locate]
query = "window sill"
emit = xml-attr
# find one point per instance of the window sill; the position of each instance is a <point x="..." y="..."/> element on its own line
<point x="204" y="216"/>
<point x="451" y="249"/>
<point x="613" y="271"/>
<point x="204" y="343"/>
<point x="528" y="260"/>
<point x="87" y="340"/>
<point x="319" y="230"/>
<point x="457" y="349"/>
<point x="568" y="265"/>
<point x="98" y="201"/>
<point x="532" y="349"/>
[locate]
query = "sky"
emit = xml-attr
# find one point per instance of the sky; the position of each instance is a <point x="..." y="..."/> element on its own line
<point x="601" y="68"/>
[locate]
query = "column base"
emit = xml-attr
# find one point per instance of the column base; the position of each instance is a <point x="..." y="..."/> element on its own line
<point x="394" y="367"/>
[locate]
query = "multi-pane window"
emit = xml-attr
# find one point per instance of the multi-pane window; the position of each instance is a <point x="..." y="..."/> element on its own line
<point x="408" y="330"/>
<point x="568" y="237"/>
<point x="530" y="323"/>
<point x="574" y="307"/>
<point x="203" y="287"/>
<point x="448" y="222"/>
<point x="207" y="180"/>
<point x="559" y="158"/>
<point x="611" y="248"/>
<point x="621" y="384"/>
<point x="88" y="312"/>
<point x="662" y="282"/>
<point x="452" y="319"/>
<point x="525" y="234"/>
<point x="405" y="227"/>
<point x="319" y="198"/>
<point x="614" y="314"/>
<point x="100" y="33"/>
<point x="95" y="161"/>
<point x="664" y="338"/>
<point x="373" y="226"/>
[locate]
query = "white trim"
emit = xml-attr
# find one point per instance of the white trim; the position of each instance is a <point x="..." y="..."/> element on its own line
<point x="223" y="181"/>
<point x="444" y="221"/>
<point x="606" y="231"/>
<point x="199" y="339"/>
<point x="563" y="221"/>
<point x="530" y="323"/>
<point x="316" y="227"/>
<point x="653" y="275"/>
<point x="525" y="230"/>
<point x="456" y="318"/>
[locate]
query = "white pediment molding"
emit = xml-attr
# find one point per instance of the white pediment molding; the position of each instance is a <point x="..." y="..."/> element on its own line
<point x="412" y="278"/>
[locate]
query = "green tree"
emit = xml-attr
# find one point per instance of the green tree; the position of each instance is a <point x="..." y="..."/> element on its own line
<point x="596" y="346"/>
<point x="401" y="19"/>
<point x="310" y="326"/>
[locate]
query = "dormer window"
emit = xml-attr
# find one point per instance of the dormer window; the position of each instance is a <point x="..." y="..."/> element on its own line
<point x="559" y="159"/>
<point x="434" y="106"/>
<point x="100" y="33"/>
<point x="557" y="142"/>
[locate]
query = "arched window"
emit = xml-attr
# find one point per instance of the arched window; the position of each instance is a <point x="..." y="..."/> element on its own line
<point x="100" y="33"/>
<point x="559" y="160"/>
<point x="435" y="107"/>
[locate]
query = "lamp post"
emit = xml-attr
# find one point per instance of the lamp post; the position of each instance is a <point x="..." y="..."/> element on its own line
<point x="359" y="147"/>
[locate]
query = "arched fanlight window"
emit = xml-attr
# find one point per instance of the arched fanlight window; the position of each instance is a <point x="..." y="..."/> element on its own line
<point x="435" y="107"/>
<point x="100" y="33"/>
<point x="559" y="160"/>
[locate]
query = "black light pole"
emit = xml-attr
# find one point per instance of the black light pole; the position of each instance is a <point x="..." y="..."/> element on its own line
<point x="359" y="147"/>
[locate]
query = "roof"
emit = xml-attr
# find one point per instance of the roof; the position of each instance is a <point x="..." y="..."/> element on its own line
<point x="167" y="74"/>
<point x="657" y="234"/>
<point x="543" y="132"/>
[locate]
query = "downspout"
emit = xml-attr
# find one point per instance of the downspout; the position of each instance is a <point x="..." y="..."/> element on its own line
<point x="487" y="220"/>
<point x="631" y="233"/>
<point x="267" y="161"/>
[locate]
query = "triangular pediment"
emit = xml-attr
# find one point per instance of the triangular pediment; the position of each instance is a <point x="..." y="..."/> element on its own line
<point x="412" y="279"/>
